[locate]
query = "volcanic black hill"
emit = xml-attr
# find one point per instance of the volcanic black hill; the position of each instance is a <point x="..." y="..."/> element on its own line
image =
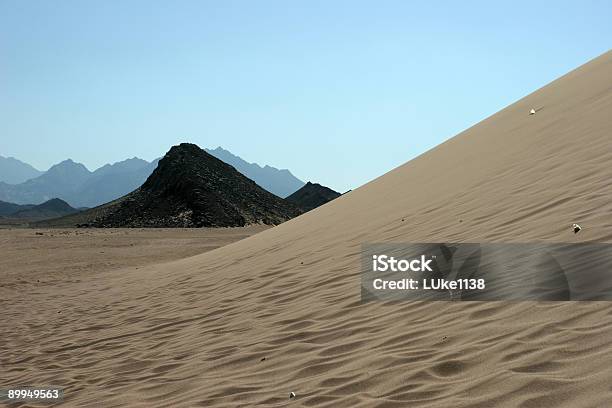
<point x="312" y="195"/>
<point x="191" y="188"/>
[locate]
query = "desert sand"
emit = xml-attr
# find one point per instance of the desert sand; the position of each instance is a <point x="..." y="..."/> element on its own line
<point x="36" y="256"/>
<point x="280" y="311"/>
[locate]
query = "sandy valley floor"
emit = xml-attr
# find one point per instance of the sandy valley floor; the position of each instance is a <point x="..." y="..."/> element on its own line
<point x="46" y="256"/>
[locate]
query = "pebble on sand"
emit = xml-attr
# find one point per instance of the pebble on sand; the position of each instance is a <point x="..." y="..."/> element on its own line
<point x="291" y="395"/>
<point x="532" y="111"/>
<point x="576" y="228"/>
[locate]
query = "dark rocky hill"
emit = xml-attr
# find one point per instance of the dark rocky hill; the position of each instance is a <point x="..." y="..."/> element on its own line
<point x="53" y="208"/>
<point x="7" y="209"/>
<point x="191" y="188"/>
<point x="312" y="195"/>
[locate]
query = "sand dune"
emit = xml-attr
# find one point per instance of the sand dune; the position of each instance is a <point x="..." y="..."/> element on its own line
<point x="280" y="312"/>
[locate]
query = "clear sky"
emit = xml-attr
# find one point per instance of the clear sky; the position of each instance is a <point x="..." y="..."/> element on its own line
<point x="339" y="92"/>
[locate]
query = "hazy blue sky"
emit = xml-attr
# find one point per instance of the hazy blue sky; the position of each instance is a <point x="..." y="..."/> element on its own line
<point x="339" y="92"/>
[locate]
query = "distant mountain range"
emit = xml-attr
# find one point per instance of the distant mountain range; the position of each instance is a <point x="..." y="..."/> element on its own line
<point x="13" y="171"/>
<point x="49" y="209"/>
<point x="75" y="184"/>
<point x="279" y="182"/>
<point x="189" y="188"/>
<point x="78" y="186"/>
